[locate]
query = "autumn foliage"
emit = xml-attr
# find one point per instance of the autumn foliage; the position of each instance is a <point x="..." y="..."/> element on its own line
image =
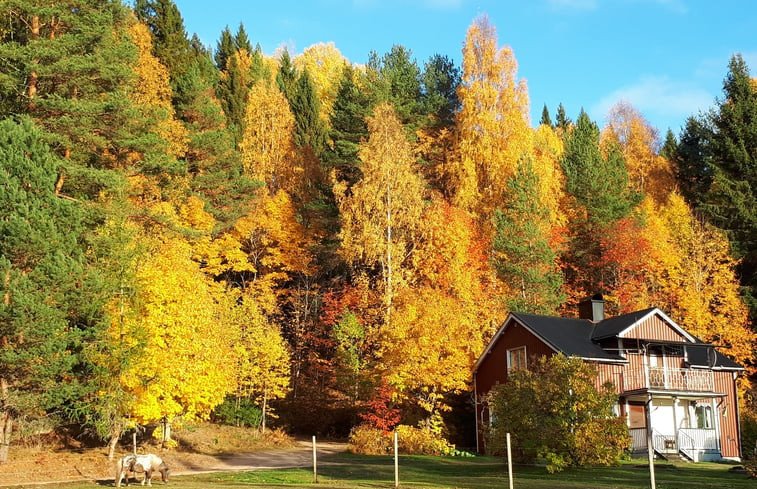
<point x="333" y="243"/>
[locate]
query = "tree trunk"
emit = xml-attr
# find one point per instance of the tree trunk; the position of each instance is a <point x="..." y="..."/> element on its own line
<point x="265" y="405"/>
<point x="33" y="77"/>
<point x="6" y="428"/>
<point x="6" y="420"/>
<point x="114" y="436"/>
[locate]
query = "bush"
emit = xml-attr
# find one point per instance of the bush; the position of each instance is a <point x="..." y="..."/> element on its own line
<point x="238" y="412"/>
<point x="557" y="416"/>
<point x="367" y="440"/>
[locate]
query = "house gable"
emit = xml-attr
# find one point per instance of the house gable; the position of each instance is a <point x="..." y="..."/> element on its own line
<point x="491" y="367"/>
<point x="649" y="324"/>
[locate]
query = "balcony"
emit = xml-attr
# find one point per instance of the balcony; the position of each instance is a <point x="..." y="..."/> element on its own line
<point x="670" y="379"/>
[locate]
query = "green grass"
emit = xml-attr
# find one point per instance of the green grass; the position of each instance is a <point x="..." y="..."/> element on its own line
<point x="353" y="471"/>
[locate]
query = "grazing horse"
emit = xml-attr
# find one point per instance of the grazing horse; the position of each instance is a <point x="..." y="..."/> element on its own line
<point x="141" y="463"/>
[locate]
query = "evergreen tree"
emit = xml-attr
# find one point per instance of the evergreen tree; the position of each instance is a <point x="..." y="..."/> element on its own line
<point x="732" y="198"/>
<point x="669" y="146"/>
<point x="309" y="129"/>
<point x="524" y="260"/>
<point x="693" y="159"/>
<point x="562" y="121"/>
<point x="545" y="117"/>
<point x="598" y="182"/>
<point x="348" y="129"/>
<point x="395" y="78"/>
<point x="440" y="80"/>
<point x="171" y="44"/>
<point x="286" y="78"/>
<point x="242" y="41"/>
<point x="224" y="49"/>
<point x="47" y="310"/>
<point x="69" y="66"/>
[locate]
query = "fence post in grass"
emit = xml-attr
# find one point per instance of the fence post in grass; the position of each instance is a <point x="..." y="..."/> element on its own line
<point x="650" y="442"/>
<point x="509" y="462"/>
<point x="396" y="463"/>
<point x="315" y="463"/>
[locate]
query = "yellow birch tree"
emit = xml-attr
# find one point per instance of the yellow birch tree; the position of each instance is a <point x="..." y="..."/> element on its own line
<point x="267" y="143"/>
<point x="381" y="212"/>
<point x="493" y="123"/>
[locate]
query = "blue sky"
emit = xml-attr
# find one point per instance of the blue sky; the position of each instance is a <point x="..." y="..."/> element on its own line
<point x="666" y="57"/>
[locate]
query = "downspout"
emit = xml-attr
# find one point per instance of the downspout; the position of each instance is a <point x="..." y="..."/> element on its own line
<point x="475" y="407"/>
<point x="738" y="415"/>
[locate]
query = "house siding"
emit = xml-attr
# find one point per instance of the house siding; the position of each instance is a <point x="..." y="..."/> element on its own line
<point x="493" y="370"/>
<point x="727" y="415"/>
<point x="655" y="328"/>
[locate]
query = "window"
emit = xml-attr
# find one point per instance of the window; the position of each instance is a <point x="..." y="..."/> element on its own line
<point x="703" y="414"/>
<point x="516" y="358"/>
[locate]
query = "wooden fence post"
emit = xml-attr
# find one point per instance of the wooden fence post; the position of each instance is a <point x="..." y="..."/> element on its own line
<point x="315" y="463"/>
<point x="509" y="462"/>
<point x="396" y="463"/>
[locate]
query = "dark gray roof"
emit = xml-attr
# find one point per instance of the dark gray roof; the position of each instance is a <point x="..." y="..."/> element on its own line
<point x="572" y="337"/>
<point x="702" y="356"/>
<point x="612" y="327"/>
<point x="581" y="337"/>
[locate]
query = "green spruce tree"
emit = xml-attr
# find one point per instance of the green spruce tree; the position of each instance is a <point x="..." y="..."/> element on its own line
<point x="523" y="257"/>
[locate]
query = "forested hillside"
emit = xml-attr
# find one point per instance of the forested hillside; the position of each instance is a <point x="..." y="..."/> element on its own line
<point x="184" y="226"/>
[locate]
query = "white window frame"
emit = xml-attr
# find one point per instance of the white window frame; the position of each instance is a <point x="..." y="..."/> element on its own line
<point x="511" y="352"/>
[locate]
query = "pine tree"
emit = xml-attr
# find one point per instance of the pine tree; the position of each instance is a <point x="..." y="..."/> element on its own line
<point x="170" y="42"/>
<point x="70" y="66"/>
<point x="524" y="260"/>
<point x="396" y="80"/>
<point x="45" y="315"/>
<point x="440" y="80"/>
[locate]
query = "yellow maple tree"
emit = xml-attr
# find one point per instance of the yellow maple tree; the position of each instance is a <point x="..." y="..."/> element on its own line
<point x="186" y="363"/>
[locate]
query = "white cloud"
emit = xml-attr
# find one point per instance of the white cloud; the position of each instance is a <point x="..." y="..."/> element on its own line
<point x="659" y="98"/>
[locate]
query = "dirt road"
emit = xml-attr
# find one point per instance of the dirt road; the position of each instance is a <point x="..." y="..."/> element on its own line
<point x="60" y="467"/>
<point x="301" y="456"/>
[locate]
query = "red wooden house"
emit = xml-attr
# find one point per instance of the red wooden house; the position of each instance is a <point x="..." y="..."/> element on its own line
<point x="689" y="386"/>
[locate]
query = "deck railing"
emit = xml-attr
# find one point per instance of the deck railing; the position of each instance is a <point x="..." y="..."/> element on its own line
<point x="690" y="440"/>
<point x="674" y="379"/>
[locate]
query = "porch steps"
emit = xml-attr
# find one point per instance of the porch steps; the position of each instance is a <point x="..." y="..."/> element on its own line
<point x="673" y="457"/>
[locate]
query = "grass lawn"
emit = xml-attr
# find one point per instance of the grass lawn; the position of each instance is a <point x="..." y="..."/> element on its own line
<point x="353" y="471"/>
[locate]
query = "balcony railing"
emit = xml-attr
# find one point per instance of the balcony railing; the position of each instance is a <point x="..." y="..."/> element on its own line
<point x="673" y="379"/>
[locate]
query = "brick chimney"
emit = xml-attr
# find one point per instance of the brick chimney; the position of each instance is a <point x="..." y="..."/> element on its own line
<point x="592" y="308"/>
